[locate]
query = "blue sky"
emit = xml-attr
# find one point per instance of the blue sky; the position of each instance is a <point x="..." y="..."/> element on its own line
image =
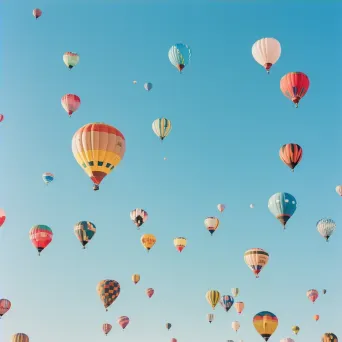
<point x="229" y="121"/>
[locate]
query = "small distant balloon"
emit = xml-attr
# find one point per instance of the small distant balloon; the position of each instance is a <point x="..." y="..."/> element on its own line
<point x="47" y="177"/>
<point x="5" y="305"/>
<point x="221" y="207"/>
<point x="1" y="117"/>
<point x="135" y="82"/>
<point x="339" y="189"/>
<point x="316" y="318"/>
<point x="148" y="86"/>
<point x="2" y="217"/>
<point x="71" y="59"/>
<point x="106" y="327"/>
<point x="37" y="13"/>
<point x="251" y="205"/>
<point x="326" y="228"/>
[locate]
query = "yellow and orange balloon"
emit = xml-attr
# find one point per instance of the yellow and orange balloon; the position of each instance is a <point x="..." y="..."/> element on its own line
<point x="265" y="323"/>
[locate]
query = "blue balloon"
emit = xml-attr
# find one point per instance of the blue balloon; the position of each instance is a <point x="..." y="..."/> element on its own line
<point x="227" y="302"/>
<point x="179" y="56"/>
<point x="47" y="177"/>
<point x="282" y="205"/>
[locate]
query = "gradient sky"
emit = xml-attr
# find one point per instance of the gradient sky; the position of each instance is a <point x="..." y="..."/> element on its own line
<point x="229" y="121"/>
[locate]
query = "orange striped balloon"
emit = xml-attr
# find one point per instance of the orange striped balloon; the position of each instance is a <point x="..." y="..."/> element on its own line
<point x="291" y="155"/>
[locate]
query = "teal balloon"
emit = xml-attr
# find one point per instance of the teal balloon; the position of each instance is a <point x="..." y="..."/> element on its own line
<point x="282" y="205"/>
<point x="179" y="56"/>
<point x="84" y="231"/>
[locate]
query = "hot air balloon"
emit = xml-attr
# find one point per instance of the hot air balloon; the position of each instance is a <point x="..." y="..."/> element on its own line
<point x="256" y="259"/>
<point x="179" y="56"/>
<point x="20" y="337"/>
<point x="70" y="103"/>
<point x="148" y="241"/>
<point x="180" y="243"/>
<point x="295" y="329"/>
<point x="312" y="295"/>
<point x="135" y="82"/>
<point x="294" y="86"/>
<point x="221" y="207"/>
<point x="251" y="206"/>
<point x="5" y="305"/>
<point x="329" y="337"/>
<point x="123" y="321"/>
<point x="324" y="291"/>
<point x="149" y="292"/>
<point x="173" y="340"/>
<point x="326" y="227"/>
<point x="211" y="223"/>
<point x="71" y="59"/>
<point x="135" y="278"/>
<point x="282" y="205"/>
<point x="266" y="52"/>
<point x="239" y="306"/>
<point x="227" y="302"/>
<point x="148" y="86"/>
<point x="2" y="117"/>
<point x="106" y="327"/>
<point x="161" y="127"/>
<point x="139" y="217"/>
<point x="235" y="291"/>
<point x="316" y="318"/>
<point x="84" y="231"/>
<point x="2" y="217"/>
<point x="37" y="13"/>
<point x="210" y="317"/>
<point x="265" y="323"/>
<point x="291" y="155"/>
<point x="235" y="326"/>
<point x="213" y="298"/>
<point x="47" y="177"/>
<point x="40" y="236"/>
<point x="109" y="291"/>
<point x="339" y="189"/>
<point x="168" y="326"/>
<point x="98" y="148"/>
<point x="288" y="339"/>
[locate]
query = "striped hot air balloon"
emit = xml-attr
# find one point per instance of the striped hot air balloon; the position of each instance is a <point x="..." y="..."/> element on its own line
<point x="139" y="217"/>
<point x="123" y="321"/>
<point x="291" y="155"/>
<point x="135" y="278"/>
<point x="312" y="295"/>
<point x="256" y="259"/>
<point x="179" y="56"/>
<point x="211" y="223"/>
<point x="180" y="243"/>
<point x="84" y="231"/>
<point x="20" y="337"/>
<point x="213" y="298"/>
<point x="70" y="103"/>
<point x="40" y="236"/>
<point x="106" y="327"/>
<point x="149" y="292"/>
<point x="161" y="127"/>
<point x="5" y="306"/>
<point x="227" y="302"/>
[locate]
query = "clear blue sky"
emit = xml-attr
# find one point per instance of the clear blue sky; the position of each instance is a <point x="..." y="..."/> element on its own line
<point x="229" y="121"/>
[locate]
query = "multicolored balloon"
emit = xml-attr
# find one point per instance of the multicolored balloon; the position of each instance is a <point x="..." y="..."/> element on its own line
<point x="227" y="302"/>
<point x="5" y="306"/>
<point x="71" y="59"/>
<point x="150" y="292"/>
<point x="161" y="127"/>
<point x="123" y="321"/>
<point x="266" y="52"/>
<point x="106" y="327"/>
<point x="239" y="306"/>
<point x="148" y="241"/>
<point x="139" y="217"/>
<point x="256" y="259"/>
<point x="2" y="217"/>
<point x="40" y="236"/>
<point x="213" y="298"/>
<point x="329" y="337"/>
<point x="179" y="56"/>
<point x="282" y="205"/>
<point x="109" y="291"/>
<point x="70" y="103"/>
<point x="211" y="223"/>
<point x="98" y="148"/>
<point x="47" y="177"/>
<point x="326" y="228"/>
<point x="294" y="86"/>
<point x="312" y="295"/>
<point x="135" y="278"/>
<point x="148" y="86"/>
<point x="84" y="231"/>
<point x="295" y="329"/>
<point x="180" y="243"/>
<point x="291" y="155"/>
<point x="37" y="13"/>
<point x="265" y="323"/>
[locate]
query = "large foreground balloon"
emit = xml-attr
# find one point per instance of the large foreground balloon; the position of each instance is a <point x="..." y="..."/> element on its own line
<point x="282" y="205"/>
<point x="37" y="13"/>
<point x="213" y="298"/>
<point x="266" y="52"/>
<point x="84" y="231"/>
<point x="179" y="56"/>
<point x="48" y="177"/>
<point x="98" y="148"/>
<point x="265" y="323"/>
<point x="211" y="223"/>
<point x="227" y="302"/>
<point x="40" y="236"/>
<point x="2" y="217"/>
<point x="108" y="290"/>
<point x="326" y="227"/>
<point x="291" y="155"/>
<point x="329" y="337"/>
<point x="123" y="321"/>
<point x="294" y="86"/>
<point x="138" y="216"/>
<point x="71" y="59"/>
<point x="256" y="259"/>
<point x="312" y="295"/>
<point x="161" y="127"/>
<point x="20" y="337"/>
<point x="70" y="103"/>
<point x="148" y="241"/>
<point x="106" y="327"/>
<point x="5" y="305"/>
<point x="180" y="243"/>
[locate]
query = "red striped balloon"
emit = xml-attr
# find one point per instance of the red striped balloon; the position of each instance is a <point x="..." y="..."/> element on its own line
<point x="5" y="305"/>
<point x="106" y="327"/>
<point x="291" y="155"/>
<point x="123" y="321"/>
<point x="70" y="103"/>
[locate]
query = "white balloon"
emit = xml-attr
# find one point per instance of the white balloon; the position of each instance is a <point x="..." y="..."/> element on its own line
<point x="221" y="207"/>
<point x="251" y="205"/>
<point x="326" y="227"/>
<point x="339" y="189"/>
<point x="266" y="52"/>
